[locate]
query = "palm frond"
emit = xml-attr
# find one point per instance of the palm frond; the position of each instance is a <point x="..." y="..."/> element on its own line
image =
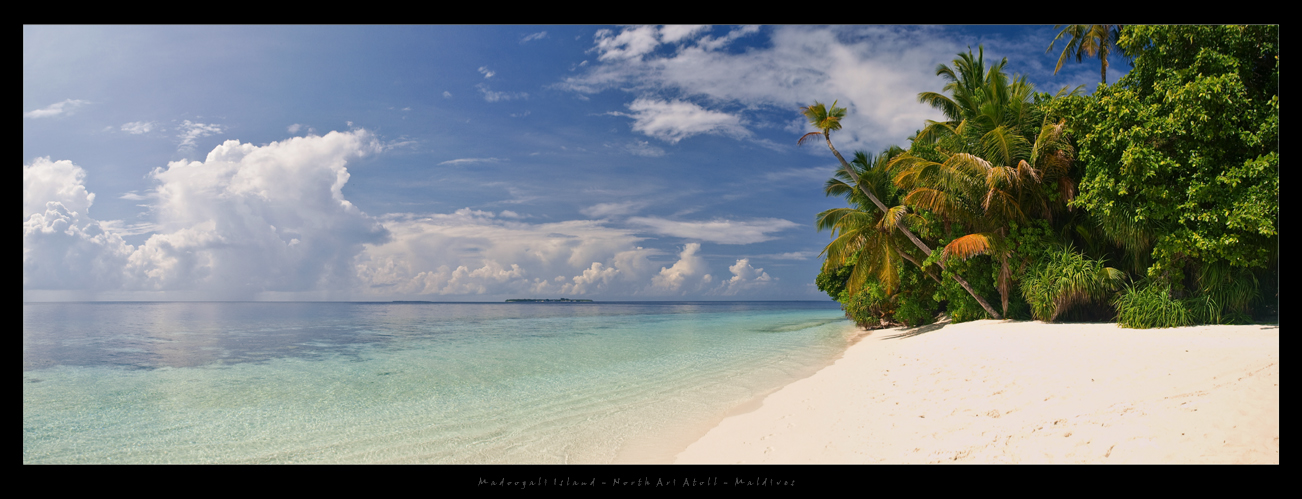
<point x="807" y="136"/>
<point x="892" y="218"/>
<point x="967" y="247"/>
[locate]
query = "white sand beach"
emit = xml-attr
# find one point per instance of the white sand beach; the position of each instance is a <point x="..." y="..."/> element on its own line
<point x="1022" y="392"/>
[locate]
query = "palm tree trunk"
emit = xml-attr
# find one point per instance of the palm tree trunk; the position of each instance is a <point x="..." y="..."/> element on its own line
<point x="917" y="242"/>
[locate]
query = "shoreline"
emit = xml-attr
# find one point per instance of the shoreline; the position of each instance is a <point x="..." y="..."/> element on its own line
<point x="1020" y="392"/>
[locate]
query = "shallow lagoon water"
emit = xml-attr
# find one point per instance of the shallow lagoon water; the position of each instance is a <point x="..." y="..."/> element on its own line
<point x="403" y="382"/>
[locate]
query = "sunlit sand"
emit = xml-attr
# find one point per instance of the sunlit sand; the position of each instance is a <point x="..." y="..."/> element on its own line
<point x="1022" y="392"/>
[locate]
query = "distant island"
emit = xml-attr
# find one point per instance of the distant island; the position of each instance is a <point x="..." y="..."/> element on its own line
<point x="548" y="300"/>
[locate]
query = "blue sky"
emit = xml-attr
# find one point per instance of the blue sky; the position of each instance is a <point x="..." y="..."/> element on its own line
<point x="452" y="163"/>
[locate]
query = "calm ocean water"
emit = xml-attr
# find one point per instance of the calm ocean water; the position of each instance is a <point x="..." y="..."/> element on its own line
<point x="396" y="382"/>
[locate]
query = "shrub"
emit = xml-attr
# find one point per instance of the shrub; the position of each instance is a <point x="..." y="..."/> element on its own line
<point x="1066" y="279"/>
<point x="1150" y="305"/>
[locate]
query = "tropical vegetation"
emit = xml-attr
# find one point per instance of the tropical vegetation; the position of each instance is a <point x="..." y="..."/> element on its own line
<point x="1153" y="202"/>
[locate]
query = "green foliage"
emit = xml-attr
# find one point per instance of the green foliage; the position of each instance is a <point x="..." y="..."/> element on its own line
<point x="1182" y="155"/>
<point x="1063" y="279"/>
<point x="1173" y="173"/>
<point x="1150" y="305"/>
<point x="833" y="281"/>
<point x="914" y="303"/>
<point x="959" y="304"/>
<point x="870" y="308"/>
<point x="1225" y="295"/>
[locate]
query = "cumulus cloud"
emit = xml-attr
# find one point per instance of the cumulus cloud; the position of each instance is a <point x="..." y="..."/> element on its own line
<point x="672" y="121"/>
<point x="744" y="277"/>
<point x="137" y="127"/>
<point x="875" y="71"/>
<point x="244" y="221"/>
<point x="62" y="182"/>
<point x="67" y="106"/>
<point x="595" y="277"/>
<point x="688" y="266"/>
<point x="718" y="231"/>
<point x="190" y="132"/>
<point x="475" y="252"/>
<point x="250" y="219"/>
<point x="488" y="73"/>
<point x="63" y="248"/>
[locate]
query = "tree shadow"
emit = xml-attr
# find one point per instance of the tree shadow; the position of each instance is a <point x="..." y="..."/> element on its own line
<point x="920" y="330"/>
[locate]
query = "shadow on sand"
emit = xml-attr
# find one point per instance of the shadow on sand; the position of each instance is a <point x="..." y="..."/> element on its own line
<point x="920" y="330"/>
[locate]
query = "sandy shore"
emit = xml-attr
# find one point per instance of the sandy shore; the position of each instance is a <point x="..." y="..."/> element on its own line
<point x="1022" y="392"/>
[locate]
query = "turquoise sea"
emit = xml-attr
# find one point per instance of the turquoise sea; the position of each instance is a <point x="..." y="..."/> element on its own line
<point x="258" y="382"/>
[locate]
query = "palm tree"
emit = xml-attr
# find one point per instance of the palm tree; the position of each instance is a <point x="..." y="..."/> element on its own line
<point x="864" y="238"/>
<point x="1087" y="40"/>
<point x="991" y="174"/>
<point x="828" y="121"/>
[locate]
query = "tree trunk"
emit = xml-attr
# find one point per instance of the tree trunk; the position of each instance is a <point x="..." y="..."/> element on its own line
<point x="827" y="135"/>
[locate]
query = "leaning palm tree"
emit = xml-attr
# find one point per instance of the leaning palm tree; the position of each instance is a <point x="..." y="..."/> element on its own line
<point x="828" y="121"/>
<point x="1087" y="40"/>
<point x="862" y="237"/>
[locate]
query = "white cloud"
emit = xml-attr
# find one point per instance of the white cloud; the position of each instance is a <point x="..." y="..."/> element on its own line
<point x="251" y="219"/>
<point x="875" y="71"/>
<point x="631" y="43"/>
<point x="294" y="128"/>
<point x="58" y="181"/>
<point x="492" y="96"/>
<point x="595" y="277"/>
<point x="190" y="132"/>
<point x="679" y="32"/>
<point x="427" y="251"/>
<point x="535" y="36"/>
<point x="63" y="248"/>
<point x="711" y="43"/>
<point x="463" y="161"/>
<point x="744" y="277"/>
<point x="137" y="127"/>
<point x="67" y="106"/>
<point x="136" y="196"/>
<point x="66" y="250"/>
<point x="486" y="72"/>
<point x="718" y="231"/>
<point x="794" y="255"/>
<point x="689" y="265"/>
<point x="672" y="121"/>
<point x="447" y="94"/>
<point x="602" y="210"/>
